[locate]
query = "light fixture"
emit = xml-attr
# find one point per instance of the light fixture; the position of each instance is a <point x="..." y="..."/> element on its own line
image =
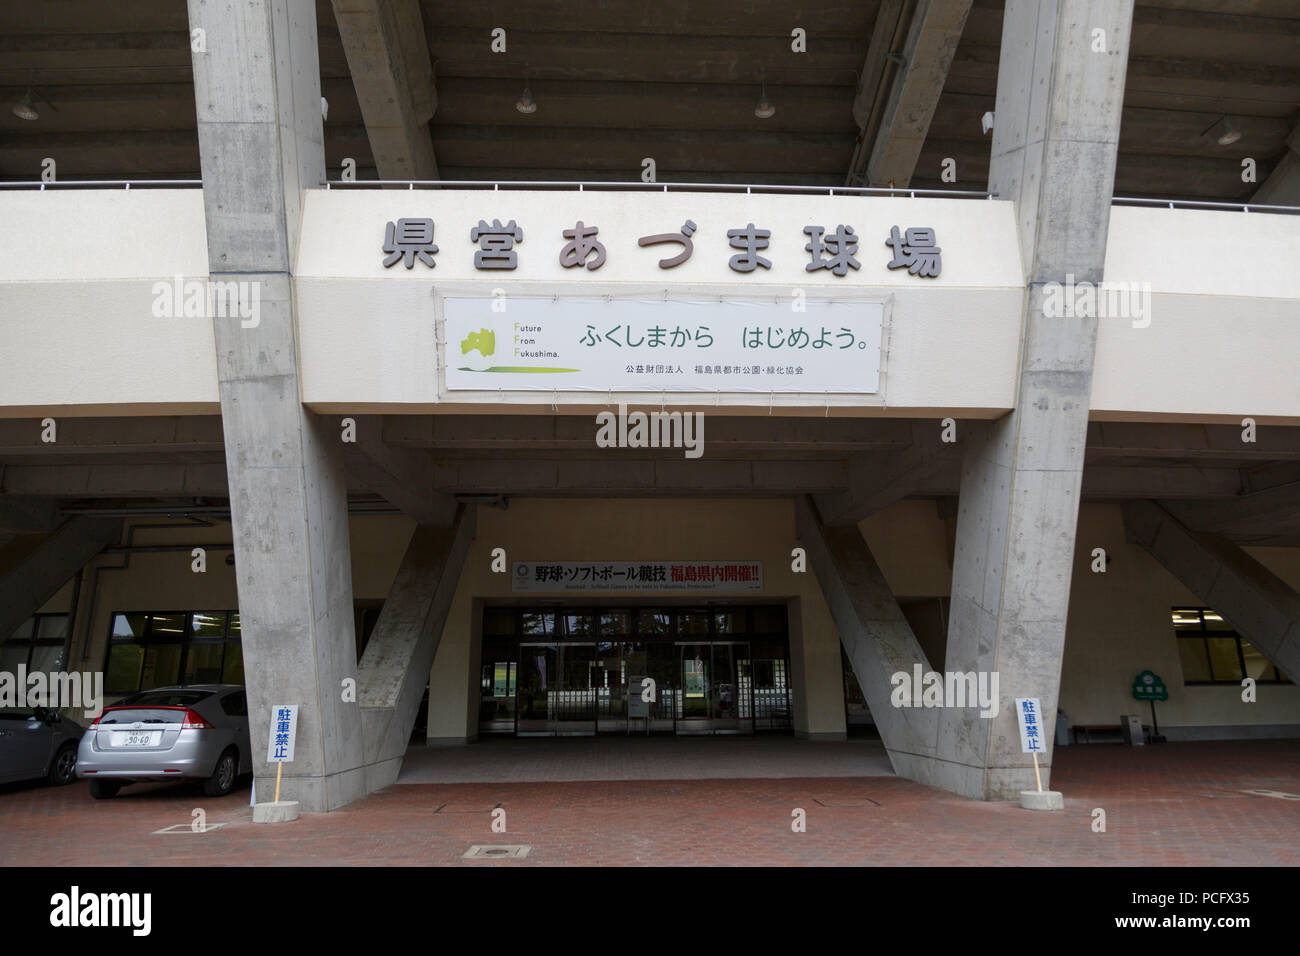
<point x="1228" y="134"/>
<point x="526" y="104"/>
<point x="764" y="109"/>
<point x="24" y="109"/>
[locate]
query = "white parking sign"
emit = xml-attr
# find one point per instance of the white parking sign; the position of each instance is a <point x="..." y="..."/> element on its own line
<point x="284" y="728"/>
<point x="1031" y="725"/>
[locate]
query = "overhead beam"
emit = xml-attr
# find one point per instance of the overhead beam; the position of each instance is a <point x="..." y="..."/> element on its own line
<point x="1259" y="604"/>
<point x="611" y="477"/>
<point x="25" y="515"/>
<point x="876" y="482"/>
<point x="402" y="476"/>
<point x="388" y="56"/>
<point x="25" y="589"/>
<point x="889" y="150"/>
<point x="1260" y="510"/>
<point x="116" y="481"/>
<point x="188" y="433"/>
<point x="1282" y="188"/>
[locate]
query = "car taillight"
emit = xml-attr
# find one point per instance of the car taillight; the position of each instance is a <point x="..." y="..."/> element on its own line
<point x="97" y="720"/>
<point x="194" y="721"/>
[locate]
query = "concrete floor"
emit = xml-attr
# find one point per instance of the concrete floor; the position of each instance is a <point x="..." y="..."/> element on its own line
<point x="558" y="759"/>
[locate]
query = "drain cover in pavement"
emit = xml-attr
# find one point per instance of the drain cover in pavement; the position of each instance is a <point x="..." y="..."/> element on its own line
<point x="464" y="808"/>
<point x="501" y="852"/>
<point x="826" y="801"/>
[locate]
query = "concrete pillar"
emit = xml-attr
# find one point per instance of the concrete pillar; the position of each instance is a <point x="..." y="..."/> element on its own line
<point x="395" y="666"/>
<point x="1056" y="130"/>
<point x="1254" y="600"/>
<point x="35" y="579"/>
<point x="1282" y="188"/>
<point x="876" y="637"/>
<point x="257" y="94"/>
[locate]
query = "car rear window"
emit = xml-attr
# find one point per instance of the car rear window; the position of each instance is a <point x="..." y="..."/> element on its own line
<point x="166" y="698"/>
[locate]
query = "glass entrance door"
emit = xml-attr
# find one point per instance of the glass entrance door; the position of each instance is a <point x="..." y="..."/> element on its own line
<point x="715" y="688"/>
<point x="724" y="697"/>
<point x="535" y="685"/>
<point x="557" y="687"/>
<point x="581" y="674"/>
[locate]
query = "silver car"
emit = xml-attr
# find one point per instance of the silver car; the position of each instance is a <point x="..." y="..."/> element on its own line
<point x="169" y="733"/>
<point x="36" y="742"/>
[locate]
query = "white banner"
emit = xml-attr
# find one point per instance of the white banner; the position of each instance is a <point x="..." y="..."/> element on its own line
<point x="648" y="345"/>
<point x="637" y="576"/>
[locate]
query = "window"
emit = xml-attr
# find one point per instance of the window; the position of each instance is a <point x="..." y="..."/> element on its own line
<point x="153" y="649"/>
<point x="37" y="645"/>
<point x="236" y="704"/>
<point x="1213" y="653"/>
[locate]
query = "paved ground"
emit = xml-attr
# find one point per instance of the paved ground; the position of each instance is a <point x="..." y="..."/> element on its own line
<point x="1176" y="805"/>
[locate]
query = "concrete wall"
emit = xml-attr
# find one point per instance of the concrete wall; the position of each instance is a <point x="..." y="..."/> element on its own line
<point x="77" y="274"/>
<point x="368" y="333"/>
<point x="1224" y="323"/>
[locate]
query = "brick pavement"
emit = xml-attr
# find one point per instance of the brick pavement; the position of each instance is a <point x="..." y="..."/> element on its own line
<point x="1176" y="805"/>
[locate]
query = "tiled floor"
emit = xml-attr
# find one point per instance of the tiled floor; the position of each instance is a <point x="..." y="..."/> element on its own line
<point x="1175" y="805"/>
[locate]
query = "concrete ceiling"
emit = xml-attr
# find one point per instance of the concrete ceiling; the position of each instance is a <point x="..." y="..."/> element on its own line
<point x="1250" y="493"/>
<point x="677" y="80"/>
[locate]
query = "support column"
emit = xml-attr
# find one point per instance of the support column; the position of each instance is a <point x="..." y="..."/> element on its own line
<point x="1259" y="604"/>
<point x="25" y="588"/>
<point x="875" y="634"/>
<point x="1056" y="132"/>
<point x="399" y="655"/>
<point x="257" y="93"/>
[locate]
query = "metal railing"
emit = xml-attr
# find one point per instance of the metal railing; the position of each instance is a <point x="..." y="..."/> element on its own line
<point x="1204" y="204"/>
<point x="99" y="184"/>
<point x="581" y="186"/>
<point x="614" y="186"/>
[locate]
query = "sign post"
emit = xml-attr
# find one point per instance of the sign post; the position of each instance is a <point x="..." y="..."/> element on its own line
<point x="1149" y="686"/>
<point x="279" y="751"/>
<point x="1029" y="716"/>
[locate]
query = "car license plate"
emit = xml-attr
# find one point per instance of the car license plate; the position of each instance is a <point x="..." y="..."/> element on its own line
<point x="136" y="739"/>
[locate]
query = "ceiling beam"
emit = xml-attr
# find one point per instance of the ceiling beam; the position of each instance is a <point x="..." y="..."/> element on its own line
<point x="389" y="60"/>
<point x="1282" y="188"/>
<point x="403" y="476"/>
<point x="876" y="482"/>
<point x="890" y="144"/>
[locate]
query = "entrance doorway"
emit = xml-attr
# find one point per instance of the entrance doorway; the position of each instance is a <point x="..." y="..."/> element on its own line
<point x="619" y="670"/>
